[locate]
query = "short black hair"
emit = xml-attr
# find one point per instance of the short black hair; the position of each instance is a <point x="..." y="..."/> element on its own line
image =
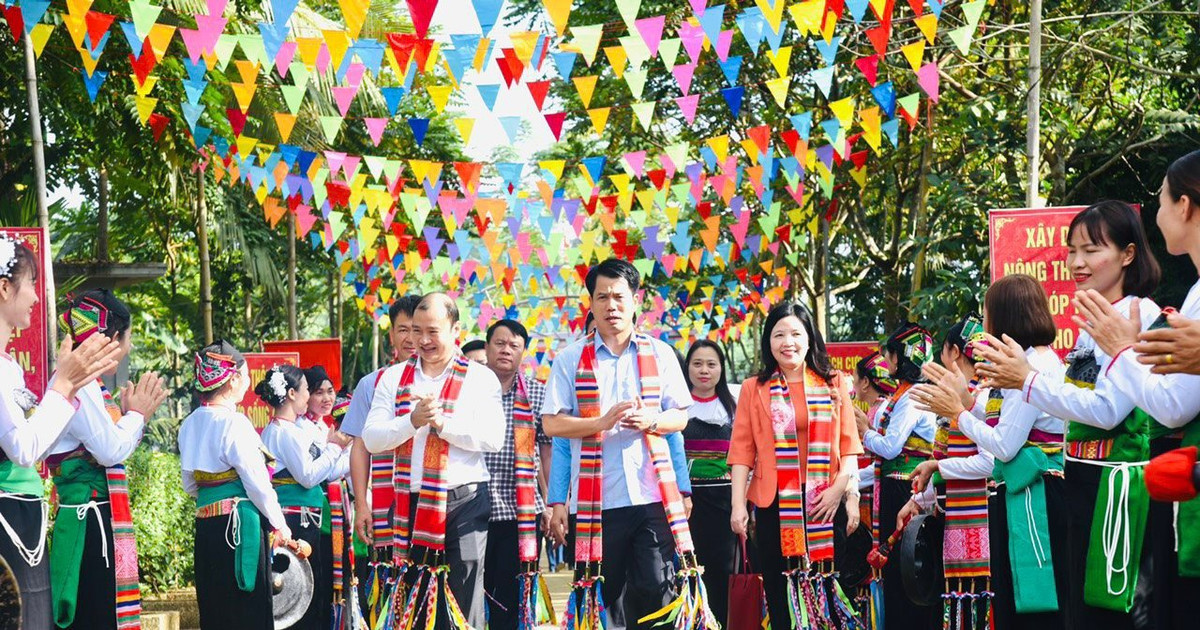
<point x="316" y="375"/>
<point x="616" y="269"/>
<point x="427" y="303"/>
<point x="406" y="304"/>
<point x="512" y="325"/>
<point x="473" y="345"/>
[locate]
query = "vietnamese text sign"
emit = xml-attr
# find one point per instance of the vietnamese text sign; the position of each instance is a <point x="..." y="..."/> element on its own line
<point x="845" y="355"/>
<point x="258" y="363"/>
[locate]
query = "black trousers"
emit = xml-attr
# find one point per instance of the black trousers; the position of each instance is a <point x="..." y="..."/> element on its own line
<point x="1172" y="597"/>
<point x="715" y="542"/>
<point x="96" y="603"/>
<point x="468" y="509"/>
<point x="25" y="518"/>
<point x="319" y="611"/>
<point x="1080" y="493"/>
<point x="1001" y="563"/>
<point x="499" y="575"/>
<point x="772" y="564"/>
<point x="639" y="554"/>
<point x="900" y="612"/>
<point x="224" y="606"/>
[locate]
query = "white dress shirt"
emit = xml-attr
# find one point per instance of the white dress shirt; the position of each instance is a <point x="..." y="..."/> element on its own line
<point x="109" y="443"/>
<point x="905" y="419"/>
<point x="26" y="440"/>
<point x="1104" y="407"/>
<point x="293" y="447"/>
<point x="1173" y="400"/>
<point x="476" y="426"/>
<point x="214" y="439"/>
<point x="1017" y="417"/>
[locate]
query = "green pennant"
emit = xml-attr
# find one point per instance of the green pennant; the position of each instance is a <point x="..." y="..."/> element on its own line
<point x="677" y="153"/>
<point x="644" y="113"/>
<point x="636" y="80"/>
<point x="636" y="50"/>
<point x="331" y="125"/>
<point x="769" y="221"/>
<point x="645" y="266"/>
<point x="911" y="103"/>
<point x="293" y="96"/>
<point x="683" y="194"/>
<point x="668" y="51"/>
<point x="629" y="12"/>
<point x="224" y="48"/>
<point x="587" y="38"/>
<point x="144" y="15"/>
<point x="252" y="46"/>
<point x="318" y="184"/>
<point x="972" y="12"/>
<point x="962" y="37"/>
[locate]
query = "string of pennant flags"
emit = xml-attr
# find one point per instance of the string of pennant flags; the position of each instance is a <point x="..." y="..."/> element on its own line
<point x="731" y="213"/>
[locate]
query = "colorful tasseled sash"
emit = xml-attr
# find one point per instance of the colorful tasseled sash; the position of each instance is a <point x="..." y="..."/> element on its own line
<point x="534" y="606"/>
<point x="815" y="598"/>
<point x="425" y="553"/>
<point x="129" y="596"/>
<point x="884" y="417"/>
<point x="966" y="546"/>
<point x="383" y="472"/>
<point x="585" y="607"/>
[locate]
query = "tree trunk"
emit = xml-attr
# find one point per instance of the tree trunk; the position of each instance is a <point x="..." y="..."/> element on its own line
<point x="102" y="216"/>
<point x="921" y="231"/>
<point x="50" y="300"/>
<point x="1034" y="105"/>
<point x="206" y="312"/>
<point x="293" y="329"/>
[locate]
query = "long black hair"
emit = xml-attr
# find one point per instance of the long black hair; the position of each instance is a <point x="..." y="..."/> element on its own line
<point x="723" y="393"/>
<point x="913" y="347"/>
<point x="817" y="359"/>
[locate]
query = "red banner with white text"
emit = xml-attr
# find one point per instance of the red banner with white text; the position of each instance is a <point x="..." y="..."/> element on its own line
<point x="28" y="346"/>
<point x="258" y="363"/>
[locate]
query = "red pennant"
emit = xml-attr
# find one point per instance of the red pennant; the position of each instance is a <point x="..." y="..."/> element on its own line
<point x="761" y="136"/>
<point x="831" y="212"/>
<point x="143" y="65"/>
<point x="237" y="120"/>
<point x="337" y="193"/>
<point x="658" y="177"/>
<point x="97" y="26"/>
<point x="538" y="90"/>
<point x="402" y="45"/>
<point x="704" y="208"/>
<point x="869" y="66"/>
<point x="918" y="6"/>
<point x="510" y="66"/>
<point x="468" y="172"/>
<point x="158" y="123"/>
<point x="885" y="17"/>
<point x="421" y="12"/>
<point x="791" y="139"/>
<point x="16" y="22"/>
<point x="555" y="121"/>
<point x="879" y="38"/>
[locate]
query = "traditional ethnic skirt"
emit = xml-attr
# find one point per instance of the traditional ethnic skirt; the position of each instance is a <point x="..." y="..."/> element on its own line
<point x="224" y="606"/>
<point x="26" y="517"/>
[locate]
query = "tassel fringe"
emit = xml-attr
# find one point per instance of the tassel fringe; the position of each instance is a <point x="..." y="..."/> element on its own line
<point x="585" y="606"/>
<point x="817" y="602"/>
<point x="690" y="609"/>
<point x="964" y="610"/>
<point x="534" y="608"/>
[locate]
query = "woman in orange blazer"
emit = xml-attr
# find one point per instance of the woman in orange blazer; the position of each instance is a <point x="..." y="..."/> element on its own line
<point x="795" y="429"/>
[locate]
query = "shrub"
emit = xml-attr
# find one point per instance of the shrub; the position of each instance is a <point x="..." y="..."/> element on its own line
<point x="163" y="518"/>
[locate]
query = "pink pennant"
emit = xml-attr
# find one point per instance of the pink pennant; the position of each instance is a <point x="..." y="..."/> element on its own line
<point x="217" y="7"/>
<point x="283" y="58"/>
<point x="334" y="160"/>
<point x="344" y="96"/>
<point x="724" y="40"/>
<point x="683" y="76"/>
<point x="928" y="78"/>
<point x="668" y="165"/>
<point x="304" y="220"/>
<point x="323" y="59"/>
<point x="375" y="127"/>
<point x="354" y="74"/>
<point x="698" y="6"/>
<point x="687" y="104"/>
<point x="349" y="165"/>
<point x="651" y="30"/>
<point x="693" y="40"/>
<point x="636" y="161"/>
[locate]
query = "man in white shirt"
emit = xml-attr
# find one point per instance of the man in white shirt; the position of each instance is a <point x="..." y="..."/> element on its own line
<point x="475" y="426"/>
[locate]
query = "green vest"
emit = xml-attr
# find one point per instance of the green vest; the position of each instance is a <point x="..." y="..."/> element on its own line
<point x="245" y="566"/>
<point x="1129" y="441"/>
<point x="78" y="480"/>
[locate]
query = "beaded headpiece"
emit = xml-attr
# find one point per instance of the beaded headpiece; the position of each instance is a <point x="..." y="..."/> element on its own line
<point x="84" y="319"/>
<point x="213" y="370"/>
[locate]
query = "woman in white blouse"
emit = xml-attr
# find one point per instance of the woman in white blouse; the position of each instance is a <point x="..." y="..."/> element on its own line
<point x="89" y="477"/>
<point x="224" y="466"/>
<point x="1171" y="399"/>
<point x="28" y="428"/>
<point x="302" y="465"/>
<point x="1020" y="447"/>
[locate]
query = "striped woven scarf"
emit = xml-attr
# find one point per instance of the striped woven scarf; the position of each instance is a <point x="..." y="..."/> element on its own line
<point x="884" y="418"/>
<point x="429" y="525"/>
<point x="125" y="563"/>
<point x="525" y="441"/>
<point x="797" y="536"/>
<point x="383" y="475"/>
<point x="966" y="550"/>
